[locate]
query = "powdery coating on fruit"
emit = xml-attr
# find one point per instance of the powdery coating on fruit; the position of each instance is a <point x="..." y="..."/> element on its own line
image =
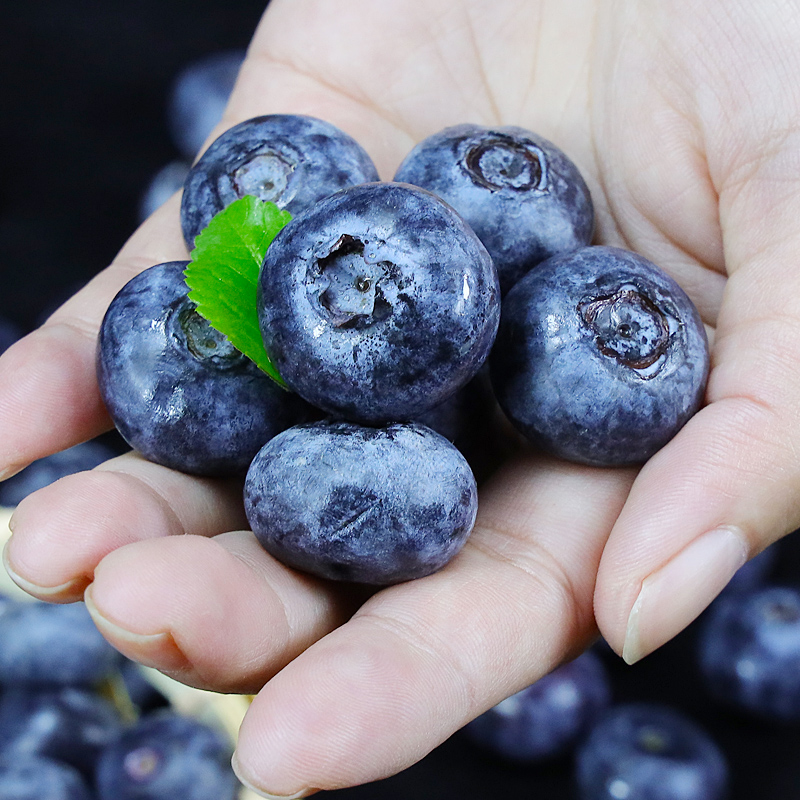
<point x="749" y="652"/>
<point x="177" y="390"/>
<point x="44" y="644"/>
<point x="40" y="779"/>
<point x="351" y="503"/>
<point x="600" y="358"/>
<point x="649" y="752"/>
<point x="548" y="717"/>
<point x="378" y="303"/>
<point x="71" y="725"/>
<point x="165" y="756"/>
<point x="49" y="469"/>
<point x="291" y="160"/>
<point x="523" y="197"/>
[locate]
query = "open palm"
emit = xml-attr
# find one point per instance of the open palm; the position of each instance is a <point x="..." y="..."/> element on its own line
<point x="683" y="119"/>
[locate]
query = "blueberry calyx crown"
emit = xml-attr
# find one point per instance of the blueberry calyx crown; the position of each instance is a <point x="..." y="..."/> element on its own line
<point x="203" y="341"/>
<point x="503" y="162"/>
<point x="347" y="285"/>
<point x="142" y="764"/>
<point x="264" y="175"/>
<point x="630" y="328"/>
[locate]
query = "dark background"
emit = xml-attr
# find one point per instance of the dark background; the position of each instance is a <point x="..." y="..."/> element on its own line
<point x="84" y="87"/>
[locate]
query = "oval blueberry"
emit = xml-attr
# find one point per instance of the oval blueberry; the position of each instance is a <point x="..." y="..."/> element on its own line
<point x="373" y="505"/>
<point x="600" y="358"/>
<point x="290" y="160"/>
<point x="177" y="390"/>
<point x="523" y="197"/>
<point x="165" y="756"/>
<point x="749" y="649"/>
<point x="649" y="752"/>
<point x="378" y="303"/>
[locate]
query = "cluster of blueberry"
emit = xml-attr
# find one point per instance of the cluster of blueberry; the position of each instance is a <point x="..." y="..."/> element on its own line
<point x="80" y="722"/>
<point x="747" y="656"/>
<point x="379" y="302"/>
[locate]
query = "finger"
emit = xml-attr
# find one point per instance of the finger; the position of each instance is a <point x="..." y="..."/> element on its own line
<point x="215" y="613"/>
<point x="727" y="485"/>
<point x="49" y="399"/>
<point x="61" y="532"/>
<point x="433" y="653"/>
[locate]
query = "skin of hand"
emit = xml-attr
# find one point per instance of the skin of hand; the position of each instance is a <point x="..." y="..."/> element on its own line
<point x="684" y="119"/>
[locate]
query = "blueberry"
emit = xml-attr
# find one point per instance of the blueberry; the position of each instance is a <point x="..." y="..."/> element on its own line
<point x="600" y="358"/>
<point x="165" y="756"/>
<point x="42" y="644"/>
<point x="49" y="469"/>
<point x="749" y="652"/>
<point x="378" y="303"/>
<point x="373" y="505"/>
<point x="546" y="719"/>
<point x="177" y="390"/>
<point x="37" y="778"/>
<point x="71" y="725"/>
<point x="198" y="97"/>
<point x="649" y="752"/>
<point x="522" y="196"/>
<point x="168" y="180"/>
<point x="291" y="160"/>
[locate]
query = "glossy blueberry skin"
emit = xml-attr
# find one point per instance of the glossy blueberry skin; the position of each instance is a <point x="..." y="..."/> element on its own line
<point x="523" y="197"/>
<point x="546" y="719"/>
<point x="198" y="97"/>
<point x="177" y="390"/>
<point x="49" y="469"/>
<point x="34" y="778"/>
<point x="649" y="752"/>
<point x="378" y="303"/>
<point x="165" y="756"/>
<point x="72" y="725"/>
<point x="600" y="358"/>
<point x="749" y="652"/>
<point x="353" y="503"/>
<point x="291" y="160"/>
<point x="43" y="644"/>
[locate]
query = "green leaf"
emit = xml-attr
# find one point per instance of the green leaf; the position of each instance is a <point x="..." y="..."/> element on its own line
<point x="222" y="275"/>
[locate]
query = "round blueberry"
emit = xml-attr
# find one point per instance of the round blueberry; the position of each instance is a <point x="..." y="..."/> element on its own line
<point x="522" y="196"/>
<point x="177" y="390"/>
<point x="198" y="97"/>
<point x="547" y="718"/>
<point x="44" y="644"/>
<point x="378" y="303"/>
<point x="649" y="752"/>
<point x="37" y="778"/>
<point x="70" y="724"/>
<point x="290" y="160"/>
<point x="600" y="358"/>
<point x="47" y="470"/>
<point x="352" y="503"/>
<point x="749" y="649"/>
<point x="165" y="756"/>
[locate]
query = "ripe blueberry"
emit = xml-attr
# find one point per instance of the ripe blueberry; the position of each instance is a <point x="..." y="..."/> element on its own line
<point x="600" y="358"/>
<point x="522" y="196"/>
<point x="378" y="303"/>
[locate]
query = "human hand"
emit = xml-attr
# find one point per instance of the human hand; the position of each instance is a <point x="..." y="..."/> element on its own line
<point x="682" y="119"/>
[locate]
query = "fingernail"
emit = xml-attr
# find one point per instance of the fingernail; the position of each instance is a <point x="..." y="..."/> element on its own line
<point x="158" y="650"/>
<point x="677" y="593"/>
<point x="75" y="586"/>
<point x="260" y="792"/>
